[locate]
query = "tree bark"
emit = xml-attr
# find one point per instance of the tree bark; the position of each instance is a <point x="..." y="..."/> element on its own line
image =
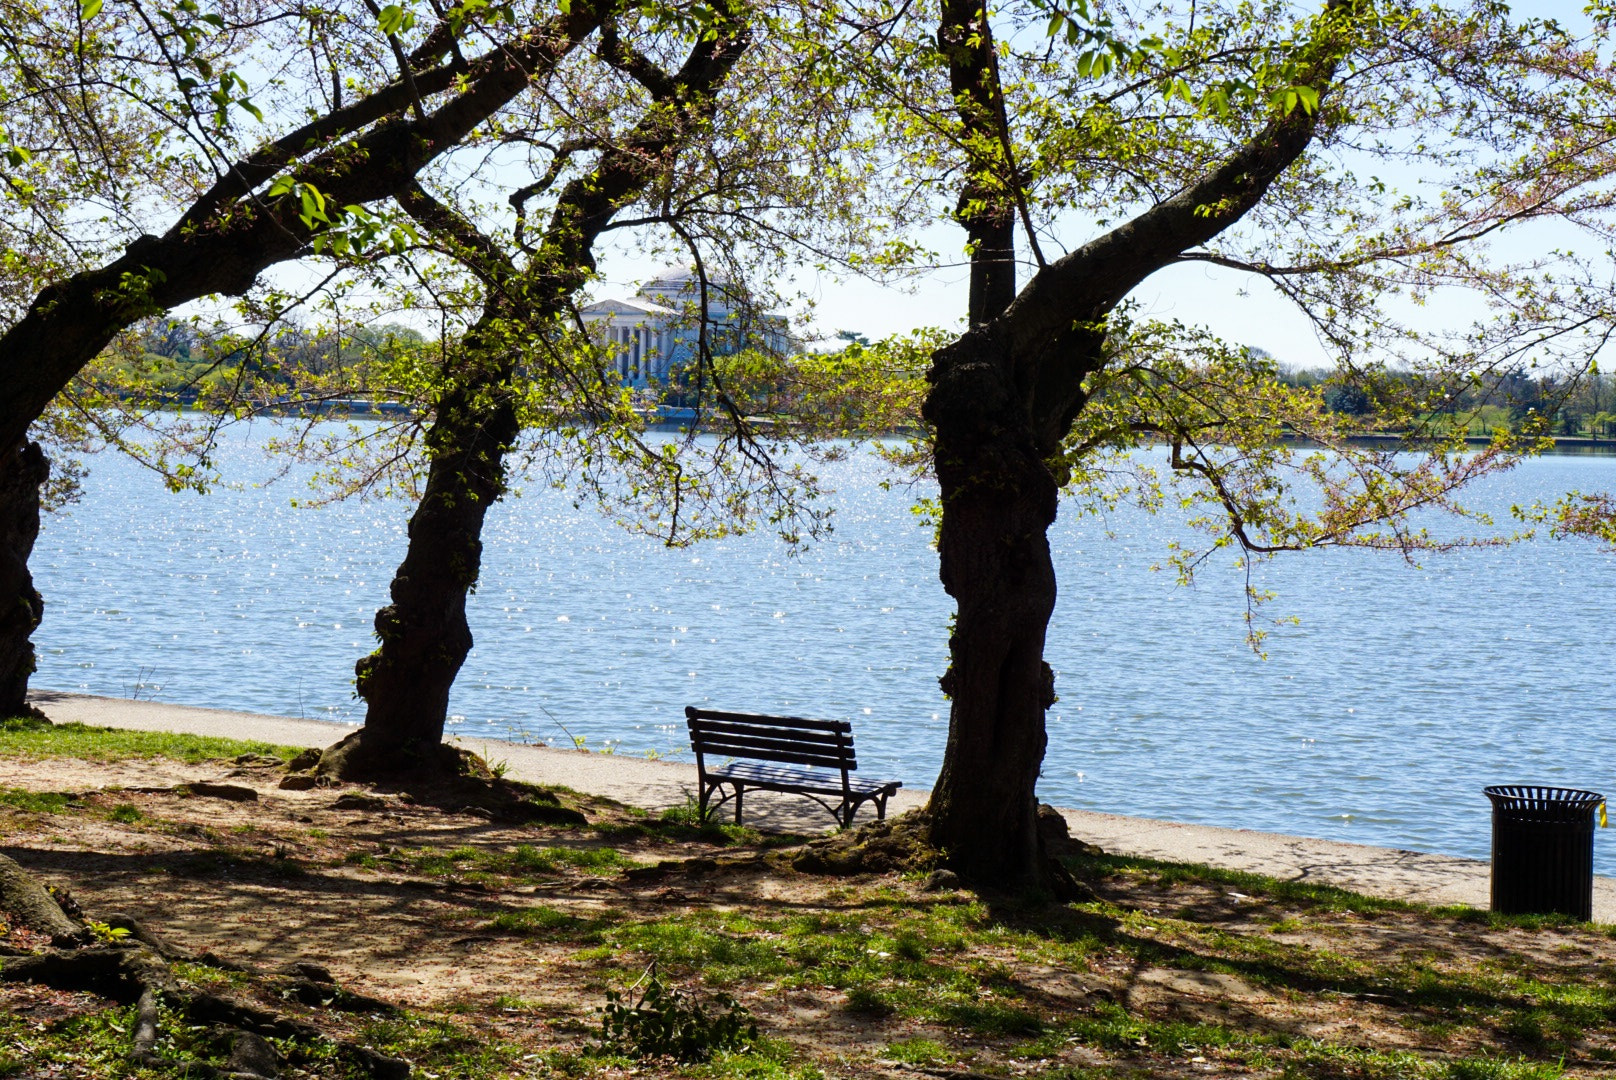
<point x="999" y="498"/>
<point x="424" y="636"/>
<point x="25" y="901"/>
<point x="23" y="473"/>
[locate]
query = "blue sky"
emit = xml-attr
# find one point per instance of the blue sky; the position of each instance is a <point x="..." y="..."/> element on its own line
<point x="1237" y="306"/>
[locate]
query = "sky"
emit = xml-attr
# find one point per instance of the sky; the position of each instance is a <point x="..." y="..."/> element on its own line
<point x="1239" y="307"/>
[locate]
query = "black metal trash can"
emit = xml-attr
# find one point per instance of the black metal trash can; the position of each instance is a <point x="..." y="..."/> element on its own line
<point x="1543" y="850"/>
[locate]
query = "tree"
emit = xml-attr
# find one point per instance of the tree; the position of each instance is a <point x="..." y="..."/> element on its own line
<point x="81" y="73"/>
<point x="423" y="634"/>
<point x="707" y="169"/>
<point x="1213" y="134"/>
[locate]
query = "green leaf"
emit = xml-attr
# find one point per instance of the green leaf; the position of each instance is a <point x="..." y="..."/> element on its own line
<point x="391" y="19"/>
<point x="89" y="9"/>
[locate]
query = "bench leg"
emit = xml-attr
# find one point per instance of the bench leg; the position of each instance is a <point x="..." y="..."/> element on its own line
<point x="737" y="804"/>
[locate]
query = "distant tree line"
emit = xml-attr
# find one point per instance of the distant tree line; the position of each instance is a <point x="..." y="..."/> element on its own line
<point x="175" y="361"/>
<point x="1575" y="405"/>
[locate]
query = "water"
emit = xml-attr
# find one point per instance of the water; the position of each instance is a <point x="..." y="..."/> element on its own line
<point x="1377" y="720"/>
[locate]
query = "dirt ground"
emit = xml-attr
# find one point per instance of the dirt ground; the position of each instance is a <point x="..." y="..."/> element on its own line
<point x="509" y="937"/>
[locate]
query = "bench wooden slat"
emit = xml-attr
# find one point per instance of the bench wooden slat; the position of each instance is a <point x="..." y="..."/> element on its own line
<point x="825" y="783"/>
<point x="781" y="740"/>
<point x="790" y="757"/>
<point x="693" y="713"/>
<point x="715" y="729"/>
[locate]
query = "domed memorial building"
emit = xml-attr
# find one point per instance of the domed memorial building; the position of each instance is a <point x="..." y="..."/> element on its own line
<point x="656" y="333"/>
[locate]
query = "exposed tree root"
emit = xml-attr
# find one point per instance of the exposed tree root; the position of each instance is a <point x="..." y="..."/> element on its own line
<point x="447" y="777"/>
<point x="24" y="900"/>
<point x="878" y="847"/>
<point x="899" y="845"/>
<point x="135" y="968"/>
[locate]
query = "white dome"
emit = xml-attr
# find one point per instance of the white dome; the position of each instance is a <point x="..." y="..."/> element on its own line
<point x="683" y="283"/>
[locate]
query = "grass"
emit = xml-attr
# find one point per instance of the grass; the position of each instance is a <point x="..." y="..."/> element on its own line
<point x="1166" y="975"/>
<point x="28" y="738"/>
<point x="94" y="1042"/>
<point x="525" y="860"/>
<point x="1317" y="897"/>
<point x="542" y="921"/>
<point x="683" y="824"/>
<point x="38" y="802"/>
<point x="918" y="1051"/>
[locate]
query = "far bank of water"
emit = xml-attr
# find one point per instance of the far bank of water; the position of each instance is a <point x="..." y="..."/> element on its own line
<point x="1376" y="720"/>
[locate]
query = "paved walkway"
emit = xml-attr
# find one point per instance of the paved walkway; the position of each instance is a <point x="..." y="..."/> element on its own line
<point x="656" y="785"/>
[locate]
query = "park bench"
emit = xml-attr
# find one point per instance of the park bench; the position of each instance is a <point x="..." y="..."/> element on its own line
<point x="826" y="746"/>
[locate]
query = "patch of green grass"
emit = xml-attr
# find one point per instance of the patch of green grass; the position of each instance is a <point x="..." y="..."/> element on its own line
<point x="1492" y="920"/>
<point x="38" y="802"/>
<point x="126" y="814"/>
<point x="1311" y="1060"/>
<point x="682" y="824"/>
<point x="1313" y="895"/>
<point x="204" y="975"/>
<point x="512" y="1003"/>
<point x="31" y="738"/>
<point x="767" y="1059"/>
<point x="526" y="859"/>
<point x="917" y="972"/>
<point x="93" y="1045"/>
<point x="443" y="1049"/>
<point x="1501" y="1069"/>
<point x="552" y="923"/>
<point x="1111" y="1027"/>
<point x="547" y="860"/>
<point x="918" y="1051"/>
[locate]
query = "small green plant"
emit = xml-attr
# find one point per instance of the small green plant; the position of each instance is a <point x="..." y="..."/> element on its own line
<point x="668" y="1022"/>
<point x="688" y="815"/>
<point x="102" y="932"/>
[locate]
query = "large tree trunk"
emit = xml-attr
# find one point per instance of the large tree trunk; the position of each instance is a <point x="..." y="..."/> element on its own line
<point x="1003" y="399"/>
<point x="423" y="633"/>
<point x="22" y="474"/>
<point x="998" y="500"/>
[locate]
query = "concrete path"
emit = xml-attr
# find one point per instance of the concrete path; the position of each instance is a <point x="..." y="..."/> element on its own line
<point x="656" y="785"/>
